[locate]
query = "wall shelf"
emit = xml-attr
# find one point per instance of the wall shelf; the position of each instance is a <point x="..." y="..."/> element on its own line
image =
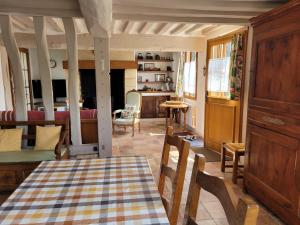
<point x="155" y="71"/>
<point x="154" y="60"/>
<point x="151" y="82"/>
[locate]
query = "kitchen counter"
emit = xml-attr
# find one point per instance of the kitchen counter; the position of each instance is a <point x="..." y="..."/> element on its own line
<point x="157" y="93"/>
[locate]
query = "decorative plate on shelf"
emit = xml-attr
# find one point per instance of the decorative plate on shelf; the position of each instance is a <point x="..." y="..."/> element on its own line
<point x="52" y="63"/>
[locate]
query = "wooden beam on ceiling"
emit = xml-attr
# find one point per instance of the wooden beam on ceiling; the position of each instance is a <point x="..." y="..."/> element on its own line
<point x="174" y="19"/>
<point x="128" y="27"/>
<point x="144" y="29"/>
<point x="18" y="24"/>
<point x="218" y="5"/>
<point x="55" y="8"/>
<point x="164" y="28"/>
<point x="131" y="9"/>
<point x="210" y="29"/>
<point x="194" y="28"/>
<point x="179" y="29"/>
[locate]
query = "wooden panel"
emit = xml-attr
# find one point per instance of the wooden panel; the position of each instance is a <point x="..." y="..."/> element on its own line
<point x="271" y="170"/>
<point x="148" y="107"/>
<point x="89" y="131"/>
<point x="8" y="180"/>
<point x="114" y="64"/>
<point x="221" y="123"/>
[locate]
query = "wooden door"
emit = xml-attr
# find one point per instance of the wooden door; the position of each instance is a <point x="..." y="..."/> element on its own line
<point x="161" y="112"/>
<point x="272" y="164"/>
<point x="148" y="107"/>
<point x="221" y="122"/>
<point x="222" y="116"/>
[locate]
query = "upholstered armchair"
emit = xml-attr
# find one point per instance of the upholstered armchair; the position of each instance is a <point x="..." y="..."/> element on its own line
<point x="130" y="116"/>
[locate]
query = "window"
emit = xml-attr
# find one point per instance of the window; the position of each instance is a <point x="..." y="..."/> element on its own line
<point x="190" y="75"/>
<point x="218" y="83"/>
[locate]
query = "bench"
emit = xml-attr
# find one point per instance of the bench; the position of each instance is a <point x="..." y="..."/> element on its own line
<point x="16" y="166"/>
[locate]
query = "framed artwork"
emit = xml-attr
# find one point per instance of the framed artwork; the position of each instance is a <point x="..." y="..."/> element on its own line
<point x="148" y="66"/>
<point x="160" y="77"/>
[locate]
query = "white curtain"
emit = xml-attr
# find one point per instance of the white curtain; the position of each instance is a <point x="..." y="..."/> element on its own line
<point x="218" y="75"/>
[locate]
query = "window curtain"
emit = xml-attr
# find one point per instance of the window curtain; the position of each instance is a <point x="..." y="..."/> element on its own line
<point x="236" y="66"/>
<point x="180" y="76"/>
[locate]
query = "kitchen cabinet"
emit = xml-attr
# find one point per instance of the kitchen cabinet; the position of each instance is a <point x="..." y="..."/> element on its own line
<point x="150" y="106"/>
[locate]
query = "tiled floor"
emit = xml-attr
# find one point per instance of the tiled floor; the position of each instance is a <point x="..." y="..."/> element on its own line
<point x="150" y="142"/>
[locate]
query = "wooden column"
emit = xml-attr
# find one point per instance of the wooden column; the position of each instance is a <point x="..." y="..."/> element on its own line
<point x="18" y="79"/>
<point x="44" y="65"/>
<point x="73" y="80"/>
<point x="101" y="46"/>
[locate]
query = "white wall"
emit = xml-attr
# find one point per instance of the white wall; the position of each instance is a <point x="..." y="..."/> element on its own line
<point x="59" y="55"/>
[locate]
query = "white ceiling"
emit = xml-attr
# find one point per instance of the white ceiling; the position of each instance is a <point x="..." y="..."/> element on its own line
<point x="165" y="17"/>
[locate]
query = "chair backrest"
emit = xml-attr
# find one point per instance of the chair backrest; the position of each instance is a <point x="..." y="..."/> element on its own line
<point x="243" y="211"/>
<point x="176" y="176"/>
<point x="134" y="98"/>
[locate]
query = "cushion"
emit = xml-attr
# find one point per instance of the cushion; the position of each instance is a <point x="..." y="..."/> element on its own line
<point x="128" y="112"/>
<point x="47" y="137"/>
<point x="28" y="155"/>
<point x="122" y="121"/>
<point x="10" y="139"/>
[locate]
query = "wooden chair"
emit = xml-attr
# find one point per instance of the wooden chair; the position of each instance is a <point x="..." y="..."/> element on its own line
<point x="236" y="150"/>
<point x="243" y="211"/>
<point x="176" y="177"/>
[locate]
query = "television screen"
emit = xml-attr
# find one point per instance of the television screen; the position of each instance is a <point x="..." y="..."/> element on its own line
<point x="59" y="88"/>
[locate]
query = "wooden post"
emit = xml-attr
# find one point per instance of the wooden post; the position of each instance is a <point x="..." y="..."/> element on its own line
<point x="73" y="80"/>
<point x="44" y="65"/>
<point x="101" y="46"/>
<point x="18" y="79"/>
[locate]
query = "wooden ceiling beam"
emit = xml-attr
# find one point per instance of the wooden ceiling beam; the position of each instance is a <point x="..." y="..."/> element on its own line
<point x="174" y="19"/>
<point x="128" y="27"/>
<point x="256" y="6"/>
<point x="127" y="9"/>
<point x="193" y="29"/>
<point x="179" y="29"/>
<point x="145" y="28"/>
<point x="164" y="28"/>
<point x="55" y="8"/>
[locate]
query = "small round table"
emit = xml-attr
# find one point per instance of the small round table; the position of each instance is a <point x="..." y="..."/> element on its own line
<point x="182" y="106"/>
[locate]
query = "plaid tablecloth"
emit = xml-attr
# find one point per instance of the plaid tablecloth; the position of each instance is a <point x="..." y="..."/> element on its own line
<point x="117" y="190"/>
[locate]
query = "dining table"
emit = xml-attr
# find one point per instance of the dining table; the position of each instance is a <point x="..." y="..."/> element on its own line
<point x="170" y="106"/>
<point x="114" y="190"/>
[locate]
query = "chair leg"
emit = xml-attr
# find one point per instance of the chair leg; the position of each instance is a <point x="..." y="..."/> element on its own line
<point x="125" y="128"/>
<point x="223" y="158"/>
<point x="113" y="128"/>
<point x="133" y="131"/>
<point x="235" y="167"/>
<point x="139" y="127"/>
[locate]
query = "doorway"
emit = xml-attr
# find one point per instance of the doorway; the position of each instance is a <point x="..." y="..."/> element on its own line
<point x="88" y="88"/>
<point x="117" y="87"/>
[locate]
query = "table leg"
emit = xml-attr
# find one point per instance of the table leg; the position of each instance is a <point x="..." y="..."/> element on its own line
<point x="184" y="120"/>
<point x="166" y="118"/>
<point x="171" y="117"/>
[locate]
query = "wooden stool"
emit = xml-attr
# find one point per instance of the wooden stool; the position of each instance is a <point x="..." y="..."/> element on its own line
<point x="237" y="150"/>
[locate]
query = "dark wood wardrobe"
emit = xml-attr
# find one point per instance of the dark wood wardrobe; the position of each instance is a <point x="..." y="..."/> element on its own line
<point x="272" y="163"/>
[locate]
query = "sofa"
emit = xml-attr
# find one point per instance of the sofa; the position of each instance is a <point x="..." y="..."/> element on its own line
<point x="89" y="129"/>
<point x="16" y="165"/>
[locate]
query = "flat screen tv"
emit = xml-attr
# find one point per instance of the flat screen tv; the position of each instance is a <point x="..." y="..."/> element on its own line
<point x="59" y="89"/>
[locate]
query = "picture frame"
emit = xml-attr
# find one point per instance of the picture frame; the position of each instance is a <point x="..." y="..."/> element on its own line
<point x="148" y="66"/>
<point x="139" y="78"/>
<point x="160" y="77"/>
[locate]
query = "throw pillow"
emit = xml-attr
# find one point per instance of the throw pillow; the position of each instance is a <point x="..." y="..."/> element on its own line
<point x="128" y="112"/>
<point x="47" y="137"/>
<point x="10" y="139"/>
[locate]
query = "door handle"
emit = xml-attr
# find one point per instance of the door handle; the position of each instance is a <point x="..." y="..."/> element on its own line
<point x="275" y="121"/>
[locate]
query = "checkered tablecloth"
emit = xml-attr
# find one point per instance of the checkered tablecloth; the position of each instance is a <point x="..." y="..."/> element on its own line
<point x="117" y="190"/>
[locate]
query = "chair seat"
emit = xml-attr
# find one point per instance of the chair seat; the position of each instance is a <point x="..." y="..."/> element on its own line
<point x="123" y="121"/>
<point x="235" y="147"/>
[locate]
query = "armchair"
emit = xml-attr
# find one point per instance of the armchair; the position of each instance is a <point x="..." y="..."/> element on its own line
<point x="130" y="116"/>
